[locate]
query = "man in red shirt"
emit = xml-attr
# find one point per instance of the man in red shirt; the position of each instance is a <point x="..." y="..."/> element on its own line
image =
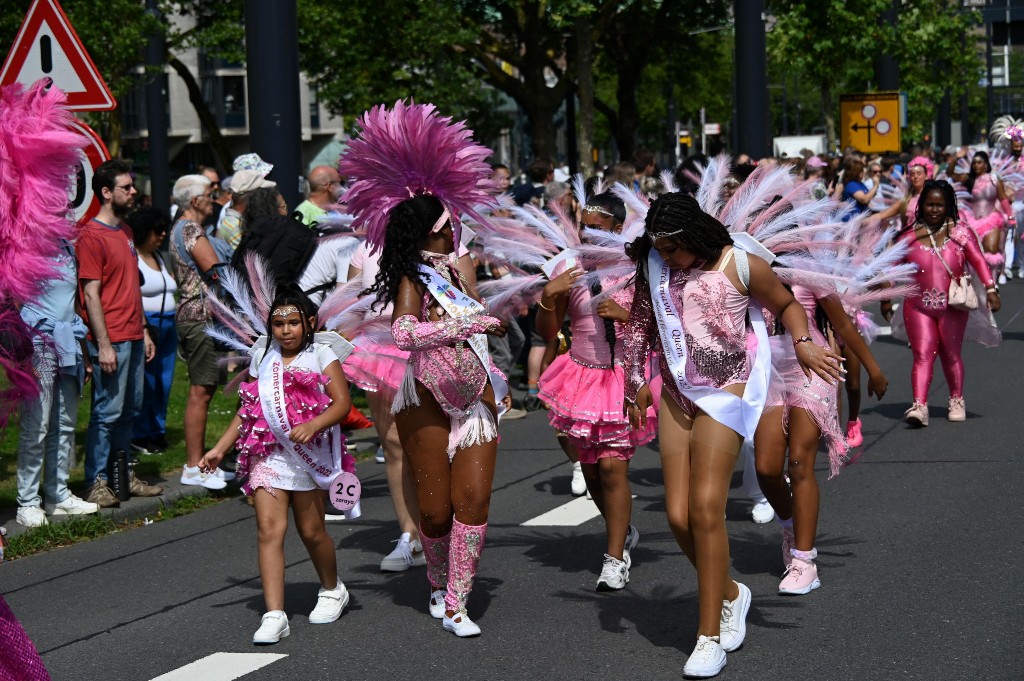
<point x="111" y="298"/>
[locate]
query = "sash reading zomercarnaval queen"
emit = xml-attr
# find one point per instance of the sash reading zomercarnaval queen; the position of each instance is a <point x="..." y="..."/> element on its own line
<point x="740" y="414"/>
<point x="458" y="304"/>
<point x="323" y="466"/>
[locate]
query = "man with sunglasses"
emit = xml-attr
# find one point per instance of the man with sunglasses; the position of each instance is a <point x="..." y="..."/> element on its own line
<point x="118" y="343"/>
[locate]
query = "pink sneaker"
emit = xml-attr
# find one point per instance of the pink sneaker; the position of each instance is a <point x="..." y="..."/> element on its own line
<point x="801" y="577"/>
<point x="854" y="438"/>
<point x="957" y="409"/>
<point x="788" y="543"/>
<point x="917" y="415"/>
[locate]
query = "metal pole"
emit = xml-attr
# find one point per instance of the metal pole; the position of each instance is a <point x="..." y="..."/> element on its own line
<point x="944" y="123"/>
<point x="156" y="115"/>
<point x="887" y="71"/>
<point x="272" y="63"/>
<point x="751" y="79"/>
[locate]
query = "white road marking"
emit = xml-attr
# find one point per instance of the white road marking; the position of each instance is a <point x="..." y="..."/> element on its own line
<point x="576" y="512"/>
<point x="221" y="667"/>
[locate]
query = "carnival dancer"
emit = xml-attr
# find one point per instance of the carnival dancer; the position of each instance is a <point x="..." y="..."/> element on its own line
<point x="801" y="410"/>
<point x="583" y="390"/>
<point x="290" y="446"/>
<point x="903" y="202"/>
<point x="691" y="299"/>
<point x="943" y="246"/>
<point x="1007" y="136"/>
<point x="413" y="174"/>
<point x="988" y="209"/>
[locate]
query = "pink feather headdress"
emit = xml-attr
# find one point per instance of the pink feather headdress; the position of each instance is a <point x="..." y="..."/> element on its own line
<point x="929" y="167"/>
<point x="411" y="150"/>
<point x="38" y="154"/>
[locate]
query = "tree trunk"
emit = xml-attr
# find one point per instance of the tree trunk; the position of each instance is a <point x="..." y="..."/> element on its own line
<point x="830" y="116"/>
<point x="629" y="114"/>
<point x="585" y="89"/>
<point x="206" y="119"/>
<point x="114" y="126"/>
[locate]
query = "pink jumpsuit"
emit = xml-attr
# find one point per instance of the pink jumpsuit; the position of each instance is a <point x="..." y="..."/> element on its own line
<point x="933" y="327"/>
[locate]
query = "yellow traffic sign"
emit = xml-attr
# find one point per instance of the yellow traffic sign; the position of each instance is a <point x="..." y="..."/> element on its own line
<point x="870" y="122"/>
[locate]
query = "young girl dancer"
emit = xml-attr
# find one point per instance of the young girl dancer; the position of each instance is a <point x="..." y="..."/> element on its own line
<point x="445" y="410"/>
<point x="290" y="448"/>
<point x="691" y="299"/>
<point x="583" y="390"/>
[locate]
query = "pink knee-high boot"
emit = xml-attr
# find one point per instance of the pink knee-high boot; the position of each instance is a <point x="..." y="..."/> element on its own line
<point x="435" y="550"/>
<point x="467" y="543"/>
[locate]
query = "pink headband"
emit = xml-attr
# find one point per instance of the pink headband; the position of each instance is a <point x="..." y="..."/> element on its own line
<point x="439" y="225"/>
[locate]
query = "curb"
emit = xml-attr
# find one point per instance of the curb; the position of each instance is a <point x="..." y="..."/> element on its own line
<point x="137" y="508"/>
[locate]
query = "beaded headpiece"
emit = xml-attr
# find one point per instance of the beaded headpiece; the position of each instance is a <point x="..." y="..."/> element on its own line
<point x="284" y="311"/>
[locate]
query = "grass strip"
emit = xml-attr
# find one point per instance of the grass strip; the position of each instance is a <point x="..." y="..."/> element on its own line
<point x="86" y="527"/>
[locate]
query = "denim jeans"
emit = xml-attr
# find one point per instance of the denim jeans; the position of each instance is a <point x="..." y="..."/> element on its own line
<point x="47" y="432"/>
<point x="159" y="373"/>
<point x="116" y="399"/>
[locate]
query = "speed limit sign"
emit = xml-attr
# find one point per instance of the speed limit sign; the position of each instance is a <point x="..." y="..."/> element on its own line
<point x="85" y="204"/>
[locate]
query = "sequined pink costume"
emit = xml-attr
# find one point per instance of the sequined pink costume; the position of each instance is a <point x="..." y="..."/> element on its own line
<point x="713" y="313"/>
<point x="583" y="388"/>
<point x="933" y="328"/>
<point x="814" y="395"/>
<point x="262" y="462"/>
<point x="445" y="365"/>
<point x="985" y="217"/>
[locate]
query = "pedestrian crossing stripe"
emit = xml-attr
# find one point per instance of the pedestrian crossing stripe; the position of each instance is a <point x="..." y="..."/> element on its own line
<point x="221" y="667"/>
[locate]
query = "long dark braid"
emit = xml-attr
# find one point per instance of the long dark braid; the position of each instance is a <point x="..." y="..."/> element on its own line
<point x="409" y="223"/>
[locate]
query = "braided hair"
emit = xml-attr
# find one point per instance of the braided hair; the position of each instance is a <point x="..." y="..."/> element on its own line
<point x="702" y="234"/>
<point x="409" y="223"/>
<point x="971" y="175"/>
<point x="612" y="204"/>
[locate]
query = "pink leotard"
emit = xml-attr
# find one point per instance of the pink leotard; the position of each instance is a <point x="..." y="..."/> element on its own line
<point x="714" y="320"/>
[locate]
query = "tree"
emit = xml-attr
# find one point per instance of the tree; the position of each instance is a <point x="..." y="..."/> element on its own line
<point x="831" y="43"/>
<point x="114" y="32"/>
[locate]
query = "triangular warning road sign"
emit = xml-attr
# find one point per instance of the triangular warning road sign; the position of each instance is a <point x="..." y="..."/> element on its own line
<point x="48" y="47"/>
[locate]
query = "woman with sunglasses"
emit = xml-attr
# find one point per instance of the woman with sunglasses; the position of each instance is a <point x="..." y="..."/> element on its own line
<point x="942" y="245"/>
<point x="149" y="227"/>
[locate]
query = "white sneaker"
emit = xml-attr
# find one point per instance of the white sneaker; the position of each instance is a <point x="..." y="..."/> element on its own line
<point x="614" y="574"/>
<point x="273" y="627"/>
<point x="762" y="512"/>
<point x="32" y="516"/>
<point x="406" y="555"/>
<point x="436" y="604"/>
<point x="380" y="455"/>
<point x="579" y="483"/>
<point x="329" y="604"/>
<point x="333" y="515"/>
<point x="460" y="625"/>
<point x="706" y="660"/>
<point x="75" y="506"/>
<point x="192" y="475"/>
<point x="734" y="620"/>
<point x="632" y="539"/>
<point x="224" y="475"/>
<point x="1002" y="279"/>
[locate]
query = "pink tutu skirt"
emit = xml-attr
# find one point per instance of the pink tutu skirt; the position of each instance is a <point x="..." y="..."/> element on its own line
<point x="376" y="368"/>
<point x="585" y="403"/>
<point x="305" y="399"/>
<point x="983" y="226"/>
<point x="790" y="387"/>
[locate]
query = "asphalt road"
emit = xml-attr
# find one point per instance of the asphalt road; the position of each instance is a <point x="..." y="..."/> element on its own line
<point x="919" y="556"/>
